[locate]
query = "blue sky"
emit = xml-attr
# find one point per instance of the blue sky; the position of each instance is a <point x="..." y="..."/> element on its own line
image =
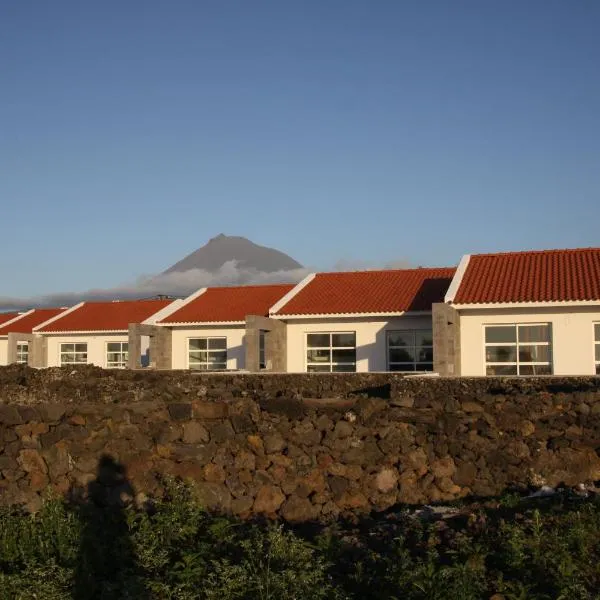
<point x="133" y="131"/>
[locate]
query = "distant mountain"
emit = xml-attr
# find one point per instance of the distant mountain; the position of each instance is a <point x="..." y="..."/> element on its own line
<point x="223" y="248"/>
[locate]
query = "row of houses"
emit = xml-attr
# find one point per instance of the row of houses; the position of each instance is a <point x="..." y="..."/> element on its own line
<point x="520" y="313"/>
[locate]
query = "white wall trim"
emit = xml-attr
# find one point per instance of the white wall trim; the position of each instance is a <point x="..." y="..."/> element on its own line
<point x="283" y="301"/>
<point x="17" y="318"/>
<point x="86" y="332"/>
<point x="37" y="328"/>
<point x="184" y="324"/>
<point x="183" y="303"/>
<point x="457" y="279"/>
<point x="313" y="316"/>
<point x="163" y="312"/>
<point x="502" y="305"/>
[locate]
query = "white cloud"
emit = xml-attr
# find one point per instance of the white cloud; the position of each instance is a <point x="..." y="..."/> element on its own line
<point x="183" y="284"/>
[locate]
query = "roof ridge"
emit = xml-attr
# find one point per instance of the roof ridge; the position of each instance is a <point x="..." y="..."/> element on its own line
<point x="408" y="270"/>
<point x="548" y="251"/>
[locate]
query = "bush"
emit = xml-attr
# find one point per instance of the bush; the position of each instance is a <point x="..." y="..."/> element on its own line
<point x="177" y="551"/>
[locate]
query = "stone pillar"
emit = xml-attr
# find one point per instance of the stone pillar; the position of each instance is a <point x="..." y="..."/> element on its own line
<point x="160" y="346"/>
<point x="275" y="344"/>
<point x="446" y="339"/>
<point x="38" y="349"/>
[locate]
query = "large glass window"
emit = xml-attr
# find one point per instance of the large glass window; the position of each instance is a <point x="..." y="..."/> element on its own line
<point x="73" y="354"/>
<point x="597" y="347"/>
<point x="207" y="353"/>
<point x="261" y="350"/>
<point x="518" y="349"/>
<point x="331" y="352"/>
<point x="410" y="350"/>
<point x="117" y="355"/>
<point x="22" y="352"/>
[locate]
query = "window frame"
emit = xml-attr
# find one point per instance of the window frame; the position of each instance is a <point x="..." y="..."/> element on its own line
<point x="20" y="354"/>
<point x="62" y="352"/>
<point x="125" y="353"/>
<point x="208" y="350"/>
<point x="262" y="352"/>
<point x="518" y="363"/>
<point x="331" y="349"/>
<point x="414" y="347"/>
<point x="596" y="346"/>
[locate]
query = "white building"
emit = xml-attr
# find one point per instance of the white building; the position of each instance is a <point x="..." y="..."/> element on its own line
<point x="362" y="321"/>
<point x="208" y="329"/>
<point x="523" y="313"/>
<point x="95" y="333"/>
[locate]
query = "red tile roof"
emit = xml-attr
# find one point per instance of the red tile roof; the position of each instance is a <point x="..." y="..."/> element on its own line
<point x="228" y="304"/>
<point x="536" y="276"/>
<point x="106" y="316"/>
<point x="370" y="292"/>
<point x="4" y="317"/>
<point x="27" y="322"/>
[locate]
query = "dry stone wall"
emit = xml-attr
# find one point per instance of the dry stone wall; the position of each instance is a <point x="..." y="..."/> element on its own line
<point x="299" y="447"/>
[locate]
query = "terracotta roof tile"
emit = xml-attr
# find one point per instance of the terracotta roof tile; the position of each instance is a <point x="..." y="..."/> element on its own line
<point x="370" y="292"/>
<point x="228" y="304"/>
<point x="535" y="276"/>
<point x="28" y="321"/>
<point x="106" y="316"/>
<point x="7" y="316"/>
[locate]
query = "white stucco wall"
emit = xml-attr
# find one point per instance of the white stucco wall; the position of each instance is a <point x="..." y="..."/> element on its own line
<point x="371" y="344"/>
<point x="96" y="350"/>
<point x="3" y="351"/>
<point x="236" y="353"/>
<point x="572" y="331"/>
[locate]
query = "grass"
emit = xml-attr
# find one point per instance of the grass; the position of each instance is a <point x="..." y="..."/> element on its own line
<point x="547" y="549"/>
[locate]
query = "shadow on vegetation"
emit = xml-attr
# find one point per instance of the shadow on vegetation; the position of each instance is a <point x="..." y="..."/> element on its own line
<point x="106" y="564"/>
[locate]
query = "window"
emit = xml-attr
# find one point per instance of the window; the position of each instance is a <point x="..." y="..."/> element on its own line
<point x="73" y="354"/>
<point x="262" y="363"/>
<point x="22" y="353"/>
<point x="331" y="352"/>
<point x="597" y="347"/>
<point x="117" y="355"/>
<point x="410" y="350"/>
<point x="207" y="353"/>
<point x="518" y="349"/>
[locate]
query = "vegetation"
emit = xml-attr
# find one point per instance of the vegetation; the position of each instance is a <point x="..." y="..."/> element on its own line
<point x="546" y="550"/>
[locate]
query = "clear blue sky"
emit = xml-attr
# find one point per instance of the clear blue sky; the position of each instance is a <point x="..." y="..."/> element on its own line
<point x="132" y="131"/>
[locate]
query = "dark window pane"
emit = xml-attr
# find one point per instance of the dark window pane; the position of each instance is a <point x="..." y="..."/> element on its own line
<point x="217" y="357"/>
<point x="425" y="366"/>
<point x="338" y="356"/>
<point x="597" y="369"/>
<point x="534" y="333"/>
<point x="425" y="354"/>
<point x="318" y="368"/>
<point x="67" y="358"/>
<point x="67" y="347"/>
<point x="501" y="354"/>
<point x="402" y="367"/>
<point x="343" y="368"/>
<point x="198" y="344"/>
<point x="402" y="355"/>
<point x="500" y="334"/>
<point x="343" y="340"/>
<point x="534" y="353"/>
<point x="597" y="332"/>
<point x="317" y="356"/>
<point x="113" y="346"/>
<point x="597" y="352"/>
<point x="501" y="370"/>
<point x="535" y="370"/>
<point x="217" y="343"/>
<point x="401" y="338"/>
<point x="318" y="340"/>
<point x="424" y="338"/>
<point x="80" y="347"/>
